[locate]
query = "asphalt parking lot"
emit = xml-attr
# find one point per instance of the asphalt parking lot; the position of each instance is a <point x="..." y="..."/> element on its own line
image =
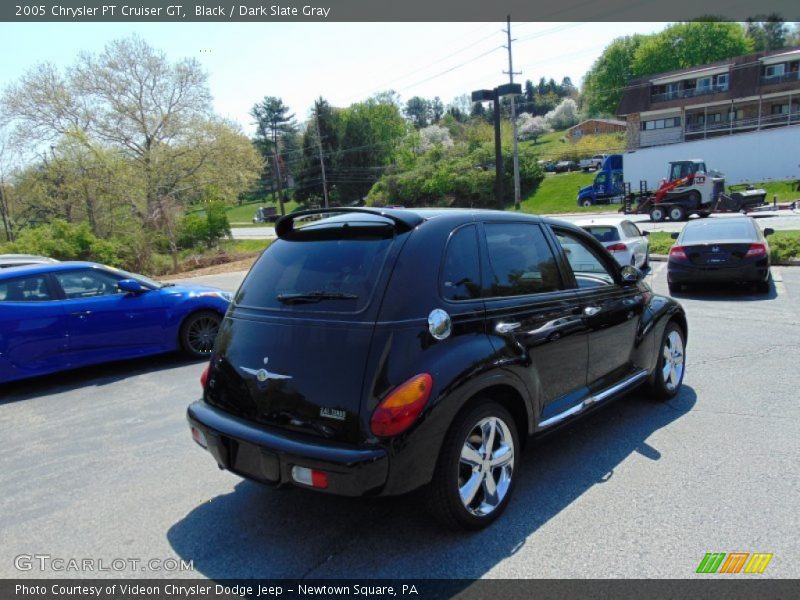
<point x="99" y="463"/>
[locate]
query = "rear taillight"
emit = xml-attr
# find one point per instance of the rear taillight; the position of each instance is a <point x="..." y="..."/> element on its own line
<point x="401" y="408"/>
<point x="756" y="250"/>
<point x="678" y="253"/>
<point x="204" y="377"/>
<point x="616" y="248"/>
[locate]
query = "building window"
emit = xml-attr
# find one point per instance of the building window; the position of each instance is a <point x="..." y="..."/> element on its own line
<point x="722" y="81"/>
<point x="661" y="123"/>
<point x="714" y="117"/>
<point x="704" y="83"/>
<point x="774" y="70"/>
<point x="780" y="109"/>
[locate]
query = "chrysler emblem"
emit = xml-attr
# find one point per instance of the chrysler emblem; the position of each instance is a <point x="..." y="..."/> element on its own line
<point x="262" y="374"/>
<point x="715" y="248"/>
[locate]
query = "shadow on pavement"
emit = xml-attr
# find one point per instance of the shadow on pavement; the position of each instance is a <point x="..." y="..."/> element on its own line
<point x="260" y="532"/>
<point x="726" y="292"/>
<point x="96" y="375"/>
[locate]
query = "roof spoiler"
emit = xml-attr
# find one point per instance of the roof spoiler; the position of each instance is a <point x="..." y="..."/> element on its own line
<point x="403" y="220"/>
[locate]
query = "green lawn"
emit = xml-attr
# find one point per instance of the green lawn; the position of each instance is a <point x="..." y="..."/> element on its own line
<point x="558" y="193"/>
<point x="243" y="213"/>
<point x="549" y="144"/>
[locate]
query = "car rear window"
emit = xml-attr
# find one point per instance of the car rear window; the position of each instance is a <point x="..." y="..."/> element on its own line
<point x="718" y="230"/>
<point x="603" y="233"/>
<point x="319" y="275"/>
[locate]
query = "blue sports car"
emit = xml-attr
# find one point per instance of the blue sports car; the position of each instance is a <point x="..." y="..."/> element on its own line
<point x="72" y="314"/>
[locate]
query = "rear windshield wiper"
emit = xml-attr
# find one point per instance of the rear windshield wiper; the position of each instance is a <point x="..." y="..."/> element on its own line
<point x="314" y="296"/>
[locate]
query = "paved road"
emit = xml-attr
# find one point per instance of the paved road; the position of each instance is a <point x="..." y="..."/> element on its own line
<point x="99" y="463"/>
<point x="253" y="233"/>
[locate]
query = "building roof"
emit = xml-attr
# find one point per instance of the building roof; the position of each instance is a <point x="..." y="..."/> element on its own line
<point x="609" y="121"/>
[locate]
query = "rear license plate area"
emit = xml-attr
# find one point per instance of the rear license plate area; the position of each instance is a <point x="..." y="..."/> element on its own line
<point x="255" y="462"/>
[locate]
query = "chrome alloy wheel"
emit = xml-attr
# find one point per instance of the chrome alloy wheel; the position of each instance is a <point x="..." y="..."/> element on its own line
<point x="486" y="466"/>
<point x="672" y="371"/>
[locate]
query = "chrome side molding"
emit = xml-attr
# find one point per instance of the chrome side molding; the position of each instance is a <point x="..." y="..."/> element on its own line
<point x="594" y="399"/>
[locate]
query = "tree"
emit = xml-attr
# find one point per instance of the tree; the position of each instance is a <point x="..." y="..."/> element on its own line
<point x="531" y="128"/>
<point x="564" y="115"/>
<point x="418" y="111"/>
<point x="437" y="109"/>
<point x="432" y="136"/>
<point x="767" y="32"/>
<point x="328" y="120"/>
<point x="274" y="123"/>
<point x="605" y="81"/>
<point x="128" y="114"/>
<point x="685" y="45"/>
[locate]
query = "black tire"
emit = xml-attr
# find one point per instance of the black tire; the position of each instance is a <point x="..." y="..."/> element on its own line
<point x="198" y="332"/>
<point x="586" y="203"/>
<point x="677" y="213"/>
<point x="664" y="387"/>
<point x="657" y="214"/>
<point x="646" y="263"/>
<point x="695" y="198"/>
<point x="763" y="287"/>
<point x="674" y="288"/>
<point x="442" y="495"/>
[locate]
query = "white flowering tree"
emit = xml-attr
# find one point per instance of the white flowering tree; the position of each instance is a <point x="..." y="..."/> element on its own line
<point x="564" y="115"/>
<point x="433" y="135"/>
<point x="530" y="127"/>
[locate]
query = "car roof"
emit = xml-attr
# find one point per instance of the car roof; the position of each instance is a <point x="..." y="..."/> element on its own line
<point x="606" y="221"/>
<point x="35" y="269"/>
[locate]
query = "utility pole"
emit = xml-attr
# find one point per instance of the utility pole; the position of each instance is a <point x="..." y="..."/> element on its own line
<point x="511" y="74"/>
<point x="280" y="179"/>
<point x="321" y="161"/>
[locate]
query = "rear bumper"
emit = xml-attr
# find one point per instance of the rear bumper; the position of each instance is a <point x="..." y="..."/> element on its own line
<point x="268" y="456"/>
<point x="687" y="273"/>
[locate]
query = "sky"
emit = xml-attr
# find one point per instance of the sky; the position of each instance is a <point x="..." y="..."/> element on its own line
<point x="342" y="62"/>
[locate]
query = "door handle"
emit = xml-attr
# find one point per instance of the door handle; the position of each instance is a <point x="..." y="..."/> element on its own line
<point x="507" y="327"/>
<point x="81" y="313"/>
<point x="591" y="311"/>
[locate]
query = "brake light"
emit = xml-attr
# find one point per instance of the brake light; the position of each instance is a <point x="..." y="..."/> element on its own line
<point x="616" y="248"/>
<point x="204" y="377"/>
<point x="756" y="250"/>
<point x="678" y="253"/>
<point x="401" y="408"/>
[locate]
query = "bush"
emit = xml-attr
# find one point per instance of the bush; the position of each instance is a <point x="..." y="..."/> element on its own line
<point x="784" y="245"/>
<point x="65" y="241"/>
<point x="208" y="227"/>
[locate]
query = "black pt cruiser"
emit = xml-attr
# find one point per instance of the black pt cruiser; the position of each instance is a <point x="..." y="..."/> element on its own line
<point x="378" y="351"/>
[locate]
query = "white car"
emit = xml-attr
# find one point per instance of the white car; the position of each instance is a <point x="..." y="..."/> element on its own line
<point x="622" y="238"/>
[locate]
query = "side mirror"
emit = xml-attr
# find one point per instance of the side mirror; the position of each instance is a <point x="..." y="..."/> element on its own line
<point x="645" y="233"/>
<point x="674" y="235"/>
<point x="768" y="231"/>
<point x="131" y="286"/>
<point x="630" y="275"/>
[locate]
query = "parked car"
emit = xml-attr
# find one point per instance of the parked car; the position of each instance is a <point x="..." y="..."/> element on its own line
<point x="593" y="163"/>
<point x="266" y="214"/>
<point x="378" y="351"/>
<point x="566" y="165"/>
<point x="19" y="260"/>
<point x="730" y="250"/>
<point x="548" y="165"/>
<point x="72" y="314"/>
<point x="622" y="238"/>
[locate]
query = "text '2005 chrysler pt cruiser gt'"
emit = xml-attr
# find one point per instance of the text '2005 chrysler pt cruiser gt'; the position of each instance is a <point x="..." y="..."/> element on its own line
<point x="378" y="351"/>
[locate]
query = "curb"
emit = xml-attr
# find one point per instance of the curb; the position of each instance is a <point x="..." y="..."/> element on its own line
<point x="792" y="262"/>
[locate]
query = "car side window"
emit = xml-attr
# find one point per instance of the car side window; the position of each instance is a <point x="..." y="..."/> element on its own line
<point x="461" y="275"/>
<point x="631" y="230"/>
<point x="25" y="289"/>
<point x="590" y="271"/>
<point x="87" y="284"/>
<point x="520" y="261"/>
